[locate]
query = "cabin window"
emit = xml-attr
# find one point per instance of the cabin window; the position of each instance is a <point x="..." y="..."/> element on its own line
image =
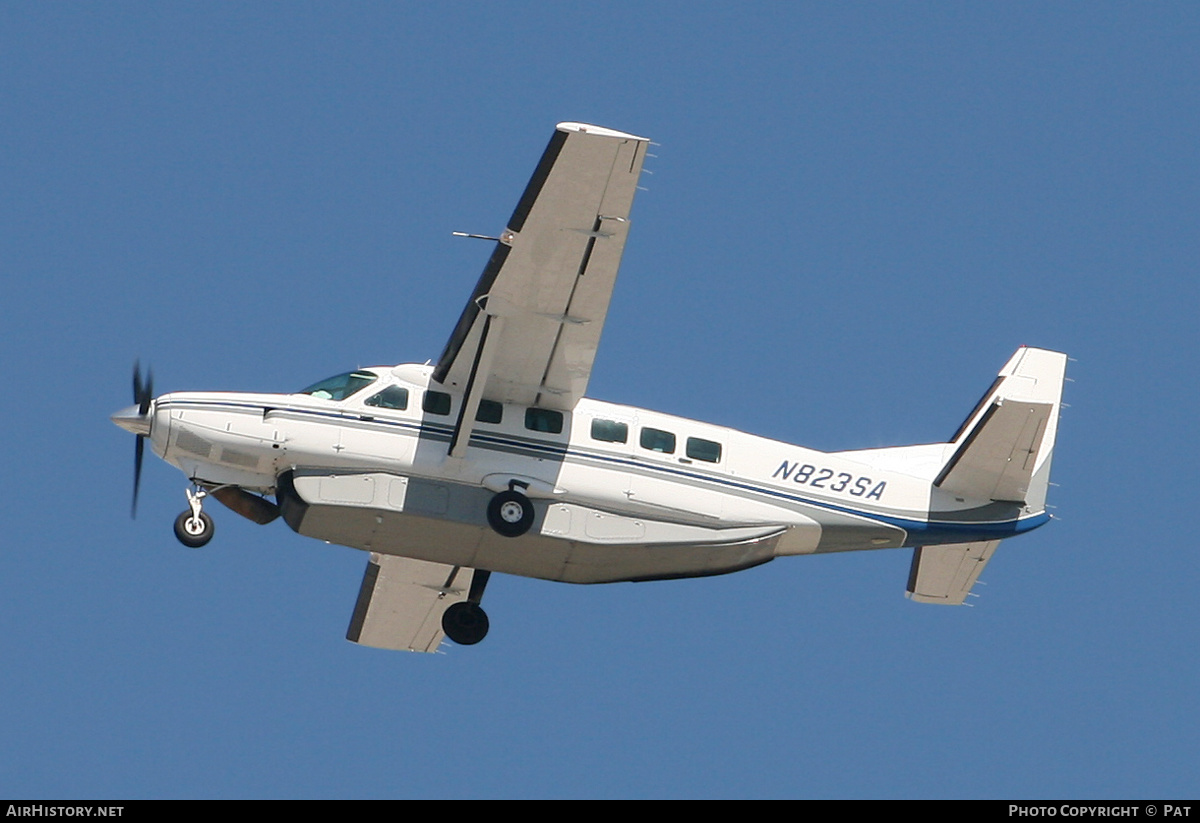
<point x="609" y="431"/>
<point x="436" y="402"/>
<point x="489" y="412"/>
<point x="705" y="450"/>
<point x="544" y="420"/>
<point x="342" y="386"/>
<point x="657" y="440"/>
<point x="393" y="397"/>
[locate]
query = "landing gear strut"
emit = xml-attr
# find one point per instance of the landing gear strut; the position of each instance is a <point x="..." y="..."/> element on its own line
<point x="466" y="623"/>
<point x="194" y="528"/>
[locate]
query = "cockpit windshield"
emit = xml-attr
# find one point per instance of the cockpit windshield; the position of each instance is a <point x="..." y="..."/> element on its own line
<point x="342" y="386"/>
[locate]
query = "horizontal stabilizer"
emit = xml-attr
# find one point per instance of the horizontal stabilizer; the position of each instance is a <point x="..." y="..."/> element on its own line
<point x="401" y="602"/>
<point x="945" y="574"/>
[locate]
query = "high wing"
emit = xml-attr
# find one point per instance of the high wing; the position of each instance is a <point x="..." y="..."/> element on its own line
<point x="401" y="602"/>
<point x="529" y="333"/>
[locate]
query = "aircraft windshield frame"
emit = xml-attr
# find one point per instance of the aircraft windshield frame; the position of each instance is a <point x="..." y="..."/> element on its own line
<point x="341" y="386"/>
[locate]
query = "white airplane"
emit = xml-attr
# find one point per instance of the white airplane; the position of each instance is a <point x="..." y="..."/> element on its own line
<point x="492" y="460"/>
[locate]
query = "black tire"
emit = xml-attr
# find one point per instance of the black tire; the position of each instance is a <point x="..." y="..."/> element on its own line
<point x="465" y="623"/>
<point x="510" y="513"/>
<point x="193" y="534"/>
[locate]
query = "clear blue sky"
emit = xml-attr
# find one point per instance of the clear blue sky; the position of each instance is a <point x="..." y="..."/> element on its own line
<point x="857" y="212"/>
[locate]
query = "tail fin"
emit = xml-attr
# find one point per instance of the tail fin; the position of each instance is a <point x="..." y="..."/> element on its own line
<point x="1002" y="450"/>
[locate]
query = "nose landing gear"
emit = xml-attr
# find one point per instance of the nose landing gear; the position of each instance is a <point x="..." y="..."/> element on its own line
<point x="194" y="528"/>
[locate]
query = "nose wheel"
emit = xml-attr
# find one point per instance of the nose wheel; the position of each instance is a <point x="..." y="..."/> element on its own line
<point x="194" y="528"/>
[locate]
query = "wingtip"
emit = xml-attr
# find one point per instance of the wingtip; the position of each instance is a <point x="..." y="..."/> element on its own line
<point x="600" y="131"/>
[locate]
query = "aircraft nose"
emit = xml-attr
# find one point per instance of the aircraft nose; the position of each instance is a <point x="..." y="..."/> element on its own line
<point x="131" y="420"/>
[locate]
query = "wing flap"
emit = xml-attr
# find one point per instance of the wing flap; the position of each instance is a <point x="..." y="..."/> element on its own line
<point x="401" y="601"/>
<point x="945" y="574"/>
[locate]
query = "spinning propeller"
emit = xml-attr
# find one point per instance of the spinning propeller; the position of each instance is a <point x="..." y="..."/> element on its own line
<point x="136" y="419"/>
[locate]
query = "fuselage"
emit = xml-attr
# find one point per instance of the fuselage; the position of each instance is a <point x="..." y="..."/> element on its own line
<point x="611" y="477"/>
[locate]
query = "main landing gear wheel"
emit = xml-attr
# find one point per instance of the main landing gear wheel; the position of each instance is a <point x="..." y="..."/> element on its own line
<point x="510" y="513"/>
<point x="465" y="623"/>
<point x="194" y="531"/>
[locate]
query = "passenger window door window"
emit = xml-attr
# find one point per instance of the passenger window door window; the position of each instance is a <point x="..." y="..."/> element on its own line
<point x="544" y="420"/>
<point x="706" y="450"/>
<point x="489" y="412"/>
<point x="657" y="440"/>
<point x="436" y="402"/>
<point x="609" y="431"/>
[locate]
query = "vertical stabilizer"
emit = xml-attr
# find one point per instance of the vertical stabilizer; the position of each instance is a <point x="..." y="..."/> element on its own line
<point x="1004" y="447"/>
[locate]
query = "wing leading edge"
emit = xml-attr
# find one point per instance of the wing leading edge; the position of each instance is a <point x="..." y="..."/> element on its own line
<point x="529" y="333"/>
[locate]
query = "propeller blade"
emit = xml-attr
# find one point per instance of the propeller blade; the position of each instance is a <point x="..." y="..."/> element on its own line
<point x="143" y="395"/>
<point x="137" y="472"/>
<point x="143" y="392"/>
<point x="144" y="405"/>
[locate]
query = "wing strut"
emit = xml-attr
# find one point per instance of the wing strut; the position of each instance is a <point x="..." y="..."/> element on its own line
<point x="489" y="336"/>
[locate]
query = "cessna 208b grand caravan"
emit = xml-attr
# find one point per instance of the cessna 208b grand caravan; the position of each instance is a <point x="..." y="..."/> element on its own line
<point x="492" y="460"/>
